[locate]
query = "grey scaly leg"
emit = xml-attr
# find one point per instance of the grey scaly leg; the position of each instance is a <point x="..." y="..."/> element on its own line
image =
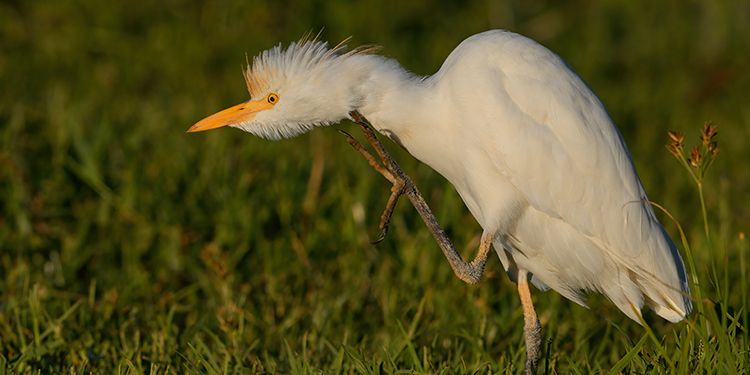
<point x="532" y="330"/>
<point x="470" y="272"/>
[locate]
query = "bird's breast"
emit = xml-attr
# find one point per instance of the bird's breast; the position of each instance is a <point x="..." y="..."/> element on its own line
<point x="488" y="194"/>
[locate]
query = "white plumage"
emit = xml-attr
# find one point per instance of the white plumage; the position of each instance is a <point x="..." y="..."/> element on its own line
<point x="527" y="145"/>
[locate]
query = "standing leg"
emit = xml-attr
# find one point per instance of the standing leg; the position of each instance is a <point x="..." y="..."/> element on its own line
<point x="532" y="330"/>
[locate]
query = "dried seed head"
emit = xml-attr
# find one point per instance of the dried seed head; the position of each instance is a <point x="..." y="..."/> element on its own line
<point x="675" y="143"/>
<point x="699" y="159"/>
<point x="676" y="137"/>
<point x="714" y="151"/>
<point x="708" y="133"/>
<point x="673" y="150"/>
<point x="695" y="157"/>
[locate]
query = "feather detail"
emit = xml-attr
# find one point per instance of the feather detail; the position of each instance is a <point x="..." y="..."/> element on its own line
<point x="300" y="58"/>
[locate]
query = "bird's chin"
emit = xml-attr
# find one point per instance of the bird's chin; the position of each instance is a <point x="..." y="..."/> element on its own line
<point x="275" y="131"/>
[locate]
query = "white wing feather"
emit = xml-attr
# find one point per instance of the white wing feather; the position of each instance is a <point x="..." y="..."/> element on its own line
<point x="588" y="224"/>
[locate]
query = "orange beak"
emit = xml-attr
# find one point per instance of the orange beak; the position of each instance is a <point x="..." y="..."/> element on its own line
<point x="239" y="113"/>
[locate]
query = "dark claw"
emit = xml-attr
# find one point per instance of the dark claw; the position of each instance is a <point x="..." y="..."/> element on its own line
<point x="349" y="138"/>
<point x="381" y="237"/>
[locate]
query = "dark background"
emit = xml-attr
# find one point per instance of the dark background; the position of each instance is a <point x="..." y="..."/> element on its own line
<point x="128" y="245"/>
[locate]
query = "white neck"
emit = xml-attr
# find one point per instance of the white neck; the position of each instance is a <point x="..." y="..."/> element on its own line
<point x="396" y="102"/>
<point x="412" y="112"/>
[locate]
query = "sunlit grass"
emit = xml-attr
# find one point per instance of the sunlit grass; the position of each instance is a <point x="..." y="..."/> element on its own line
<point x="129" y="246"/>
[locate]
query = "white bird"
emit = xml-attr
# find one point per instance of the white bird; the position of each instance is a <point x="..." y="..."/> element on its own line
<point x="528" y="146"/>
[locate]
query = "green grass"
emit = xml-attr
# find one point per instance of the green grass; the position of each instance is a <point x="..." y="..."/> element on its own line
<point x="129" y="246"/>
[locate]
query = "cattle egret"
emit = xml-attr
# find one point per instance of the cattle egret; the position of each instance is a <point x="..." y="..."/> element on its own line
<point x="527" y="145"/>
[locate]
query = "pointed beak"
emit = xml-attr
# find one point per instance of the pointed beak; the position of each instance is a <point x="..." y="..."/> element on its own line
<point x="237" y="114"/>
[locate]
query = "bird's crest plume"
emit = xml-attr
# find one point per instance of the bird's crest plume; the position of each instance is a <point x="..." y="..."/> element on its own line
<point x="302" y="57"/>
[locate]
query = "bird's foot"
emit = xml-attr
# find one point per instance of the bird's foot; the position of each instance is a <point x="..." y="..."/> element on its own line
<point x="384" y="167"/>
<point x="397" y="190"/>
<point x="403" y="185"/>
<point x="533" y="337"/>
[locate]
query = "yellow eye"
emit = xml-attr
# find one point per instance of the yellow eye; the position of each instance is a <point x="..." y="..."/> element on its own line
<point x="272" y="98"/>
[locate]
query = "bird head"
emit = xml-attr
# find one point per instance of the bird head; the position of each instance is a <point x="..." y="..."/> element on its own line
<point x="293" y="90"/>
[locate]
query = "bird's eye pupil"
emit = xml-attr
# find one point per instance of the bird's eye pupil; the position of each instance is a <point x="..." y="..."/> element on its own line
<point x="272" y="98"/>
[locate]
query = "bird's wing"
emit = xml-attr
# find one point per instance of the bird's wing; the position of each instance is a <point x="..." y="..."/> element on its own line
<point x="562" y="151"/>
<point x="558" y="146"/>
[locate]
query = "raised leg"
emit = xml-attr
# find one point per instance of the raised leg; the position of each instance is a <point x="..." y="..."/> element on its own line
<point x="385" y="218"/>
<point x="468" y="272"/>
<point x="403" y="185"/>
<point x="382" y="169"/>
<point x="532" y="330"/>
<point x="397" y="190"/>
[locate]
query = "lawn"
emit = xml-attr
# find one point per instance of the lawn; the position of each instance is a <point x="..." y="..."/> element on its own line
<point x="129" y="246"/>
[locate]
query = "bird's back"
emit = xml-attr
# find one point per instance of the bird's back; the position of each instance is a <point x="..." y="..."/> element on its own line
<point x="581" y="220"/>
